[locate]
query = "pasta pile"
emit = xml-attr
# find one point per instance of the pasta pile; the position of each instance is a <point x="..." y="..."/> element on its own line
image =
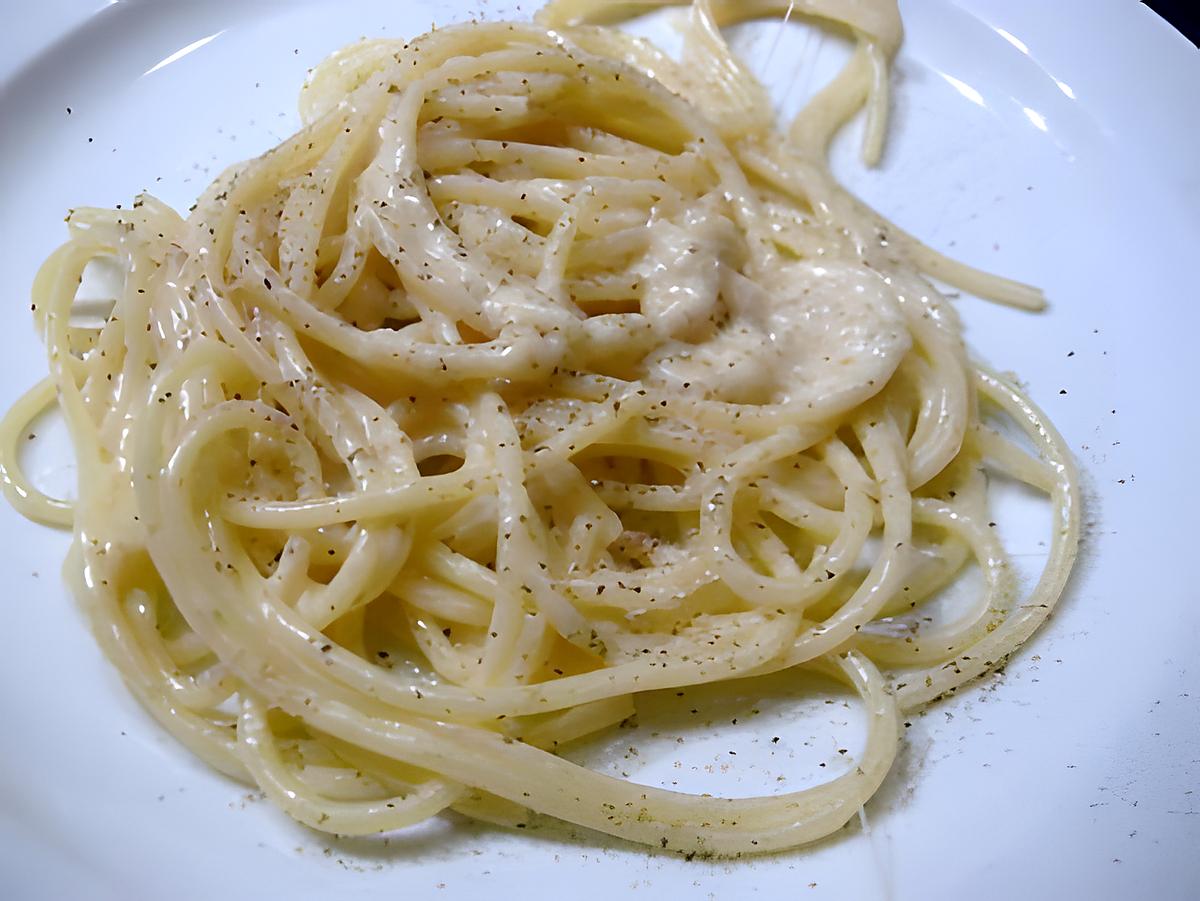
<point x="536" y="371"/>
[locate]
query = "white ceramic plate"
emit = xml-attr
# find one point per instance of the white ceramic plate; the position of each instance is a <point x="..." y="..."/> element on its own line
<point x="1054" y="142"/>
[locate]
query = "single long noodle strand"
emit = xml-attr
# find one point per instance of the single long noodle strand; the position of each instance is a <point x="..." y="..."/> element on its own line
<point x="18" y="490"/>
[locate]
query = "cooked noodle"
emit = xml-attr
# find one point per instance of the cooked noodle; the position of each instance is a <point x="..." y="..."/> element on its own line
<point x="536" y="371"/>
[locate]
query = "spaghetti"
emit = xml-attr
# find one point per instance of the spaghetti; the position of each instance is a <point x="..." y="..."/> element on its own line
<point x="536" y="371"/>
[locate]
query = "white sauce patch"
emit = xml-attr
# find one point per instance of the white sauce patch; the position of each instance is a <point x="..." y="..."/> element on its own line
<point x="825" y="336"/>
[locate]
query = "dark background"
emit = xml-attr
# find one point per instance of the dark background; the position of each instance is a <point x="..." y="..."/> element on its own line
<point x="1183" y="14"/>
